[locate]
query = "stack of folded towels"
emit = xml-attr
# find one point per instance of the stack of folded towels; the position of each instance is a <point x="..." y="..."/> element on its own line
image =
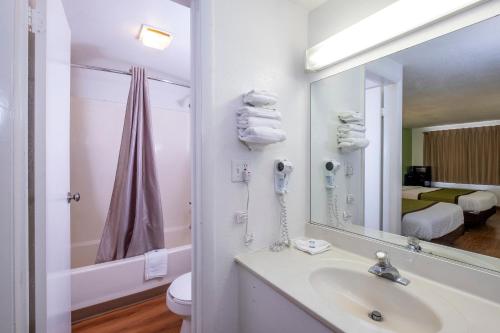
<point x="258" y="122"/>
<point x="351" y="133"/>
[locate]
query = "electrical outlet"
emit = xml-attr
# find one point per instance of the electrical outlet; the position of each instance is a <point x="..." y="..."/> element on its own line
<point x="249" y="238"/>
<point x="241" y="217"/>
<point x="237" y="167"/>
<point x="349" y="169"/>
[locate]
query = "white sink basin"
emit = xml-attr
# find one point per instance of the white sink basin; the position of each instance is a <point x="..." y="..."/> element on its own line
<point x="347" y="286"/>
<point x="335" y="288"/>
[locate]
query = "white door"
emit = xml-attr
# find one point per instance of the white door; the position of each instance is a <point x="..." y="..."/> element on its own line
<point x="57" y="181"/>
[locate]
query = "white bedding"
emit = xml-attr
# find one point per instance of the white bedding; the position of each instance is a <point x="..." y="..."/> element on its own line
<point x="433" y="222"/>
<point x="475" y="202"/>
<point x="412" y="192"/>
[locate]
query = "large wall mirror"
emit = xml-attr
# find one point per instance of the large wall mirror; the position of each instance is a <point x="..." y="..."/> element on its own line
<point x="407" y="148"/>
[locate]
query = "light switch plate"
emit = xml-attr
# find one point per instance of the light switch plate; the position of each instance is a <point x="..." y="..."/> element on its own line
<point x="237" y="167"/>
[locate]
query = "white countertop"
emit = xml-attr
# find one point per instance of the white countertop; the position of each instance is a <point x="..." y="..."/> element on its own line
<point x="289" y="271"/>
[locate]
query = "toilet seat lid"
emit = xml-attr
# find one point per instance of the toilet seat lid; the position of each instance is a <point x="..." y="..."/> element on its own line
<point x="181" y="288"/>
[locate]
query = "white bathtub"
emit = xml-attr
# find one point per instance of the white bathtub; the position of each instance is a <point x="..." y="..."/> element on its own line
<point x="84" y="253"/>
<point x="99" y="283"/>
<point x="94" y="284"/>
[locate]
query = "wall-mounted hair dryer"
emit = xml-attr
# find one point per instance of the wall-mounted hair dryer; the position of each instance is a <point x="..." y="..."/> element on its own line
<point x="282" y="170"/>
<point x="330" y="168"/>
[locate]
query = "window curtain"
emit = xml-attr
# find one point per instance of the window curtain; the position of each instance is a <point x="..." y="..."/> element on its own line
<point x="134" y="224"/>
<point x="465" y="155"/>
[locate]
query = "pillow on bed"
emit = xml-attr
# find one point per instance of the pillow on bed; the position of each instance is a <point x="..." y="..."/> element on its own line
<point x="408" y="188"/>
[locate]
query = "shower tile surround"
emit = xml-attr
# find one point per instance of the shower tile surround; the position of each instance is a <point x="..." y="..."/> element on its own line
<point x="97" y="111"/>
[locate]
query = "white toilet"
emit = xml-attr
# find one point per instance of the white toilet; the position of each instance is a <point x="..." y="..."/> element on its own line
<point x="179" y="300"/>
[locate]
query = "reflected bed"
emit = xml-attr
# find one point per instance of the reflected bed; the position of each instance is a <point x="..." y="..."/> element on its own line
<point x="478" y="206"/>
<point x="432" y="221"/>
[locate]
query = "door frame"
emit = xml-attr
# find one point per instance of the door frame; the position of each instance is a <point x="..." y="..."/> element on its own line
<point x="18" y="160"/>
<point x="39" y="280"/>
<point x="21" y="195"/>
<point x="203" y="236"/>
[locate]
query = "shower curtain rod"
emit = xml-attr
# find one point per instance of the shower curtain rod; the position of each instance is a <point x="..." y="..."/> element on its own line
<point x="116" y="71"/>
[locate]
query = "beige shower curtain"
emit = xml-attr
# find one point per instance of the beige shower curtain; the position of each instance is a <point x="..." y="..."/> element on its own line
<point x="466" y="155"/>
<point x="134" y="224"/>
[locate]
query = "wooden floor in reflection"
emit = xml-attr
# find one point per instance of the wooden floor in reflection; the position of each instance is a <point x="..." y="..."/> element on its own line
<point x="484" y="240"/>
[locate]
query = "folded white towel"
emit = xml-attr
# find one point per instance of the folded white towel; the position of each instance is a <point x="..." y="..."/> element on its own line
<point x="244" y="122"/>
<point x="262" y="135"/>
<point x="260" y="98"/>
<point x="354" y="140"/>
<point x="351" y="117"/>
<point x="350" y="127"/>
<point x="350" y="134"/>
<point x="348" y="145"/>
<point x="312" y="246"/>
<point x="155" y="264"/>
<point x="250" y="111"/>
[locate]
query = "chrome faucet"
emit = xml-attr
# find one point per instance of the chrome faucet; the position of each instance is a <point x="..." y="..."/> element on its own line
<point x="383" y="268"/>
<point x="413" y="244"/>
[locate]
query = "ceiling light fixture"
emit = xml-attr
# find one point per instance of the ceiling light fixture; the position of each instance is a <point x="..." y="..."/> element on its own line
<point x="154" y="37"/>
<point x="399" y="18"/>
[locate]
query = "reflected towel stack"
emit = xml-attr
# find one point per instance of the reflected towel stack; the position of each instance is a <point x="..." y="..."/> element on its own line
<point x="258" y="122"/>
<point x="351" y="133"/>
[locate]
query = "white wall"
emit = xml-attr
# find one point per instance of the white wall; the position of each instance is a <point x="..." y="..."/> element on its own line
<point x="98" y="105"/>
<point x="245" y="44"/>
<point x="373" y="158"/>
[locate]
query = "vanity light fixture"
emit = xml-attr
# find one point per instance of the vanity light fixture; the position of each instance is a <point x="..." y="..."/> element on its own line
<point x="154" y="37"/>
<point x="399" y="18"/>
